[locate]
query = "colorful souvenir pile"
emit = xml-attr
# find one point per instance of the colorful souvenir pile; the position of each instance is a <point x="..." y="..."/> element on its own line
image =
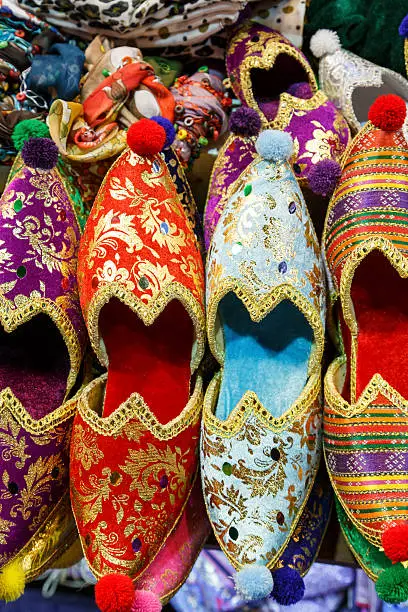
<point x="165" y="372"/>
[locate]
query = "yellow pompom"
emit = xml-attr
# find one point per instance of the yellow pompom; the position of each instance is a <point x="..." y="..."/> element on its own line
<point x="12" y="581"/>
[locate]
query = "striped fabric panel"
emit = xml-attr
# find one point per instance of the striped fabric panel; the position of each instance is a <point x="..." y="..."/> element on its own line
<point x="371" y="168"/>
<point x="367" y="456"/>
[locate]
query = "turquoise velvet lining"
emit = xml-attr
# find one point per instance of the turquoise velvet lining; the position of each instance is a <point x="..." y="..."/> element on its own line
<point x="269" y="358"/>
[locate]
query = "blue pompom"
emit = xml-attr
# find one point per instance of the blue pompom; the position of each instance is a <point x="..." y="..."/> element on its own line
<point x="253" y="582"/>
<point x="168" y="128"/>
<point x="274" y="145"/>
<point x="288" y="586"/>
<point x="403" y="28"/>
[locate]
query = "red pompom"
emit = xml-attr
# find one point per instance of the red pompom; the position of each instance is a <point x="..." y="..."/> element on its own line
<point x="395" y="541"/>
<point x="388" y="112"/>
<point x="114" y="593"/>
<point x="146" y="137"/>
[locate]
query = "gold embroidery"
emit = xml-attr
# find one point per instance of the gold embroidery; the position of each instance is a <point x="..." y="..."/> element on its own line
<point x="141" y="465"/>
<point x="10" y="403"/>
<point x="5" y="527"/>
<point x="266" y="60"/>
<point x="38" y="481"/>
<point x="87" y="500"/>
<point x="147" y="313"/>
<point x="250" y="404"/>
<point x="11" y="446"/>
<point x="110" y="229"/>
<point x="135" y="407"/>
<point x="260" y="307"/>
<point x="163" y="232"/>
<point x="52" y="539"/>
<point x="86" y="449"/>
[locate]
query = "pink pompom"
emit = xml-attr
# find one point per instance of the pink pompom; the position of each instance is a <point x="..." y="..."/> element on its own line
<point x="146" y="601"/>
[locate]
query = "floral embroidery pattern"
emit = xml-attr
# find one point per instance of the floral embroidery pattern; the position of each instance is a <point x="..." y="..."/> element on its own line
<point x="139" y="235"/>
<point x="33" y="479"/>
<point x="249" y="485"/>
<point x="132" y="495"/>
<point x="272" y="221"/>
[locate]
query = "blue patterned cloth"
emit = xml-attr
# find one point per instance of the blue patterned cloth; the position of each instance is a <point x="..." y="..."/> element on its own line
<point x="61" y="70"/>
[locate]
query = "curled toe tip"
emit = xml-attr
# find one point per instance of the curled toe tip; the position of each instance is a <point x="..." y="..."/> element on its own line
<point x="253" y="582"/>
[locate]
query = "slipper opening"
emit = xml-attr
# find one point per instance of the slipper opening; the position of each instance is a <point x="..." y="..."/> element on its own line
<point x="34" y="363"/>
<point x="270" y="357"/>
<point x="269" y="84"/>
<point x="152" y="360"/>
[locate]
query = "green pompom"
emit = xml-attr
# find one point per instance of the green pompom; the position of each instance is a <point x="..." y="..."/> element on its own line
<point x="392" y="584"/>
<point x="29" y="128"/>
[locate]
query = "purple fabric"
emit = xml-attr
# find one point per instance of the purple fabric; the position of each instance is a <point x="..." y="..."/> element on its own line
<point x="34" y="478"/>
<point x="368" y="463"/>
<point x="384" y="198"/>
<point x="316" y="137"/>
<point x="40" y="238"/>
<point x="320" y="132"/>
<point x="302" y="549"/>
<point x="38" y="259"/>
<point x="229" y="166"/>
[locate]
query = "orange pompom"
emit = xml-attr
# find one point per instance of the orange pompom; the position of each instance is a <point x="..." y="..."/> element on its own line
<point x="388" y="112"/>
<point x="114" y="593"/>
<point x="395" y="541"/>
<point x="146" y="137"/>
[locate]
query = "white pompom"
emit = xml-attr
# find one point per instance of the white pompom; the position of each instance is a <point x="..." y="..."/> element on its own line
<point x="324" y="42"/>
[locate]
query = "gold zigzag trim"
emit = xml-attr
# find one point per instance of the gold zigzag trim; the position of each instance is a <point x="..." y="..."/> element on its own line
<point x="259" y="307"/>
<point x="250" y="404"/>
<point x="148" y="313"/>
<point x="135" y="407"/>
<point x="9" y="402"/>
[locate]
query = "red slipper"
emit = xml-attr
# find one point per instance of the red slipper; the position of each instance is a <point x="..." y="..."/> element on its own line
<point x="141" y="278"/>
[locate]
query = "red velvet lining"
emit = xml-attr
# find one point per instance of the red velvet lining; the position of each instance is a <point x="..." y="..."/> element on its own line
<point x="34" y="363"/>
<point x="380" y="298"/>
<point x="151" y="360"/>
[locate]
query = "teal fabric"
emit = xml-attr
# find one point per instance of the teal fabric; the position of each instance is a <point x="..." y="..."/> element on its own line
<point x="270" y="357"/>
